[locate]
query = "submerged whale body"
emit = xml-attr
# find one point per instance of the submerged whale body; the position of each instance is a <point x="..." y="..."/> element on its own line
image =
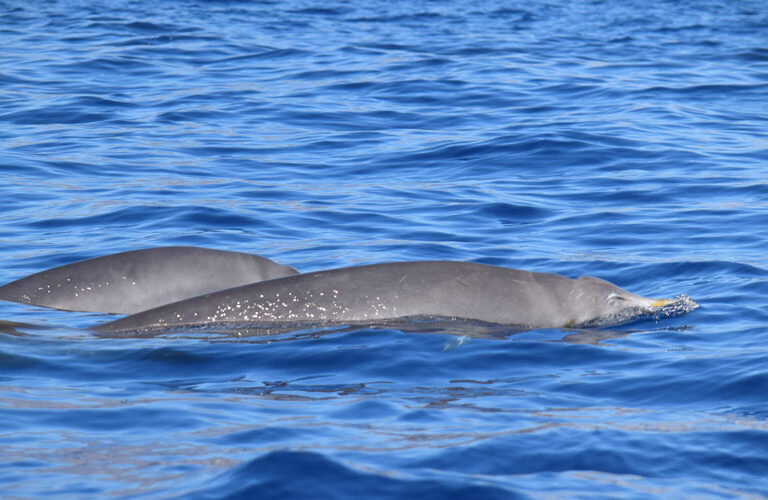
<point x="436" y="289"/>
<point x="128" y="282"/>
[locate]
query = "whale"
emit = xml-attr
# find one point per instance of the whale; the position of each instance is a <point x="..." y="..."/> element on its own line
<point x="137" y="280"/>
<point x="378" y="293"/>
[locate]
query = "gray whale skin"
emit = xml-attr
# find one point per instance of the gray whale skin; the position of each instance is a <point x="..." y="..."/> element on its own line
<point x="437" y="289"/>
<point x="128" y="282"/>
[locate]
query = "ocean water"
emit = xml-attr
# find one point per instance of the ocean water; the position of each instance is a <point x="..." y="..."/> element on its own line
<point x="620" y="139"/>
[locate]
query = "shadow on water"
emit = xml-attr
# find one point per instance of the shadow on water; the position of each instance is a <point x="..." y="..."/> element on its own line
<point x="12" y="327"/>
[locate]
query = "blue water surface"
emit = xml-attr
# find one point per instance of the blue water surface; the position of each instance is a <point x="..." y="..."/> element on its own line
<point x="619" y="139"/>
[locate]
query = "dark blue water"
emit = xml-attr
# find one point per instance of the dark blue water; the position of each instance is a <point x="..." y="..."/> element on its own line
<point x="625" y="140"/>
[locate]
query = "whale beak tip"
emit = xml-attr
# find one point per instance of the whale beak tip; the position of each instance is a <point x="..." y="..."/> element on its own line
<point x="662" y="302"/>
<point x="681" y="304"/>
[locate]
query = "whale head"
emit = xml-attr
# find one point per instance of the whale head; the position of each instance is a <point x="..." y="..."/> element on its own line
<point x="593" y="302"/>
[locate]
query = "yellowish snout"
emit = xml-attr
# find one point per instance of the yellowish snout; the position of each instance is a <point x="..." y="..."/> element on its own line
<point x="661" y="302"/>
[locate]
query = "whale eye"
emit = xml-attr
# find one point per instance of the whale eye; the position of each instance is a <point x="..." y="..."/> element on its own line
<point x="615" y="298"/>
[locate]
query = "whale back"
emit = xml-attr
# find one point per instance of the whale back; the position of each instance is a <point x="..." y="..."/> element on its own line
<point x="373" y="293"/>
<point x="128" y="282"/>
<point x="380" y="293"/>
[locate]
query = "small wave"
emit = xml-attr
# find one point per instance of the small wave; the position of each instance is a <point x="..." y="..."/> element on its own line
<point x="283" y="474"/>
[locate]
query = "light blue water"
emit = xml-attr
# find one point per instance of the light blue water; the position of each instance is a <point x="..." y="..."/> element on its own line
<point x="624" y="140"/>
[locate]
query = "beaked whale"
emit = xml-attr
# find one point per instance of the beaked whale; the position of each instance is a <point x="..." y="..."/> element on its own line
<point x="133" y="281"/>
<point x="378" y="293"/>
